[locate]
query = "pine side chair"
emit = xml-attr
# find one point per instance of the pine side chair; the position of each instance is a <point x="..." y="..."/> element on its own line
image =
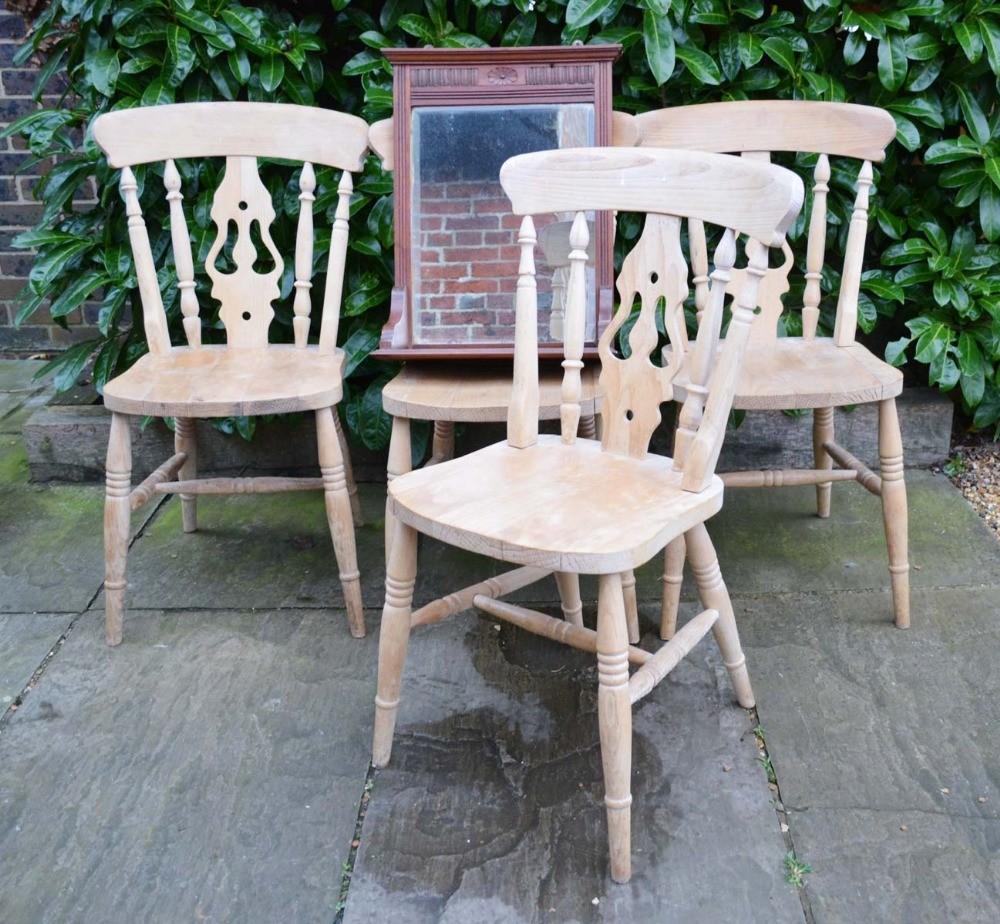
<point x="247" y="375"/>
<point x="805" y="372"/>
<point x="574" y="505"/>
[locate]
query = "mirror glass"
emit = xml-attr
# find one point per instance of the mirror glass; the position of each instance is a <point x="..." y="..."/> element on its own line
<point x="464" y="252"/>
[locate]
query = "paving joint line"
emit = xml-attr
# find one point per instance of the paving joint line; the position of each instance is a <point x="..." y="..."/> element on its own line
<point x="347" y="873"/>
<point x="784" y="819"/>
<point x="39" y="671"/>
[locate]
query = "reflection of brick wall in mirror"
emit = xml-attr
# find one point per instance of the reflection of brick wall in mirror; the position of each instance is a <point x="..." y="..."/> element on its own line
<point x="459" y="114"/>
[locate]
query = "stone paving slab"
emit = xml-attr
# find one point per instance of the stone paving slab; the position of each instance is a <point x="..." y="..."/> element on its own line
<point x="870" y="728"/>
<point x="770" y="541"/>
<point x="491" y="809"/>
<point x="25" y="640"/>
<point x="279" y="545"/>
<point x="940" y="870"/>
<point x="52" y="545"/>
<point x="209" y="769"/>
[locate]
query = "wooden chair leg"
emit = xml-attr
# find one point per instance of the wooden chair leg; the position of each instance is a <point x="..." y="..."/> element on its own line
<point x="394" y="637"/>
<point x="673" y="577"/>
<point x="352" y="487"/>
<point x="339" y="517"/>
<point x="400" y="462"/>
<point x="822" y="433"/>
<point x="443" y="442"/>
<point x="588" y="427"/>
<point x="614" y="712"/>
<point x="569" y="595"/>
<point x="714" y="595"/>
<point x="894" y="512"/>
<point x="116" y="526"/>
<point x="631" y="606"/>
<point x="186" y="441"/>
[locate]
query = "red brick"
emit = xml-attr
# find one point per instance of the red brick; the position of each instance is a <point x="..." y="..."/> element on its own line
<point x="434" y="191"/>
<point x="469" y="254"/>
<point x="444" y="207"/>
<point x="498" y="237"/>
<point x="475" y="285"/>
<point x="468" y="238"/>
<point x="444" y="271"/>
<point x="473" y="223"/>
<point x="431" y="223"/>
<point x="439" y="239"/>
<point x="492" y="207"/>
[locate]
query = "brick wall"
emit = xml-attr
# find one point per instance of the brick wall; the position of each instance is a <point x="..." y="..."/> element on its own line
<point x="466" y="270"/>
<point x="18" y="211"/>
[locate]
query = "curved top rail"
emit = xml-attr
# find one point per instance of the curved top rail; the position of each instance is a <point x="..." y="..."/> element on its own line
<point x="839" y="129"/>
<point x="181" y="130"/>
<point x="755" y="198"/>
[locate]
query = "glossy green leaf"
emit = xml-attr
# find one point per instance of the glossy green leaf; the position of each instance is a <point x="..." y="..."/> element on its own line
<point x="658" y="38"/>
<point x="892" y="63"/>
<point x="699" y="64"/>
<point x="780" y="52"/>
<point x="969" y="38"/>
<point x="583" y="12"/>
<point x="103" y="68"/>
<point x="975" y="120"/>
<point x="272" y="72"/>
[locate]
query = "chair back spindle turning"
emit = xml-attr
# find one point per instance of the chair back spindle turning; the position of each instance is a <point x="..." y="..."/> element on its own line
<point x="241" y="211"/>
<point x="757" y="128"/>
<point x="742" y="196"/>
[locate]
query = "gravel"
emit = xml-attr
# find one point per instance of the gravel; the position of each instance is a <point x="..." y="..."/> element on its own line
<point x="974" y="468"/>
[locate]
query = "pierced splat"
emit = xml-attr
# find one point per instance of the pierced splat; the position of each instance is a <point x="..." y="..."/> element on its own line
<point x="769" y="305"/>
<point x="634" y="387"/>
<point x="245" y="294"/>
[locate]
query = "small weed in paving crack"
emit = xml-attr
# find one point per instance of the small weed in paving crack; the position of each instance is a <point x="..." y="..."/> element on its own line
<point x="347" y="870"/>
<point x="795" y="870"/>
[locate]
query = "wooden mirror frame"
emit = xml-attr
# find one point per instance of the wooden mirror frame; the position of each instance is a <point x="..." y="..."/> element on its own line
<point x="425" y="77"/>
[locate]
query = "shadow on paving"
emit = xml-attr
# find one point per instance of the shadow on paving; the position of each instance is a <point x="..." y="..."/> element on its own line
<point x="492" y="807"/>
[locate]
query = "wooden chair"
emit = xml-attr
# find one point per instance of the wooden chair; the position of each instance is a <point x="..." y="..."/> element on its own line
<point x="247" y="376"/>
<point x="572" y="505"/>
<point x="807" y="372"/>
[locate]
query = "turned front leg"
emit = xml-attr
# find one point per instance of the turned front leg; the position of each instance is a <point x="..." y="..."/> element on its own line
<point x="443" y="442"/>
<point x="631" y="606"/>
<point x="894" y="510"/>
<point x="394" y="637"/>
<point x="116" y="526"/>
<point x="714" y="595"/>
<point x="339" y="517"/>
<point x="822" y="433"/>
<point x="352" y="487"/>
<point x="186" y="441"/>
<point x="569" y="595"/>
<point x="614" y="712"/>
<point x="400" y="462"/>
<point x="673" y="577"/>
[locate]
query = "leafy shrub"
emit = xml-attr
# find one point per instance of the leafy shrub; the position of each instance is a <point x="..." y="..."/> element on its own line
<point x="931" y="293"/>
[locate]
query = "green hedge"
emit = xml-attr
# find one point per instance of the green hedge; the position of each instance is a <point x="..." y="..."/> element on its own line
<point x="930" y="295"/>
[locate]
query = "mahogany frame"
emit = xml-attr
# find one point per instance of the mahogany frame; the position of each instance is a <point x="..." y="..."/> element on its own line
<point x="484" y="77"/>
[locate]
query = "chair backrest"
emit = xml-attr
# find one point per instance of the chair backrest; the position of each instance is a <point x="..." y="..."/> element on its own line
<point x="742" y="196"/>
<point x="757" y="128"/>
<point x="239" y="132"/>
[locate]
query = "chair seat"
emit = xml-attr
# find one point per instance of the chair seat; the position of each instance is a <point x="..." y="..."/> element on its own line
<point x="566" y="508"/>
<point x="795" y="373"/>
<point x="219" y="381"/>
<point x="474" y="392"/>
